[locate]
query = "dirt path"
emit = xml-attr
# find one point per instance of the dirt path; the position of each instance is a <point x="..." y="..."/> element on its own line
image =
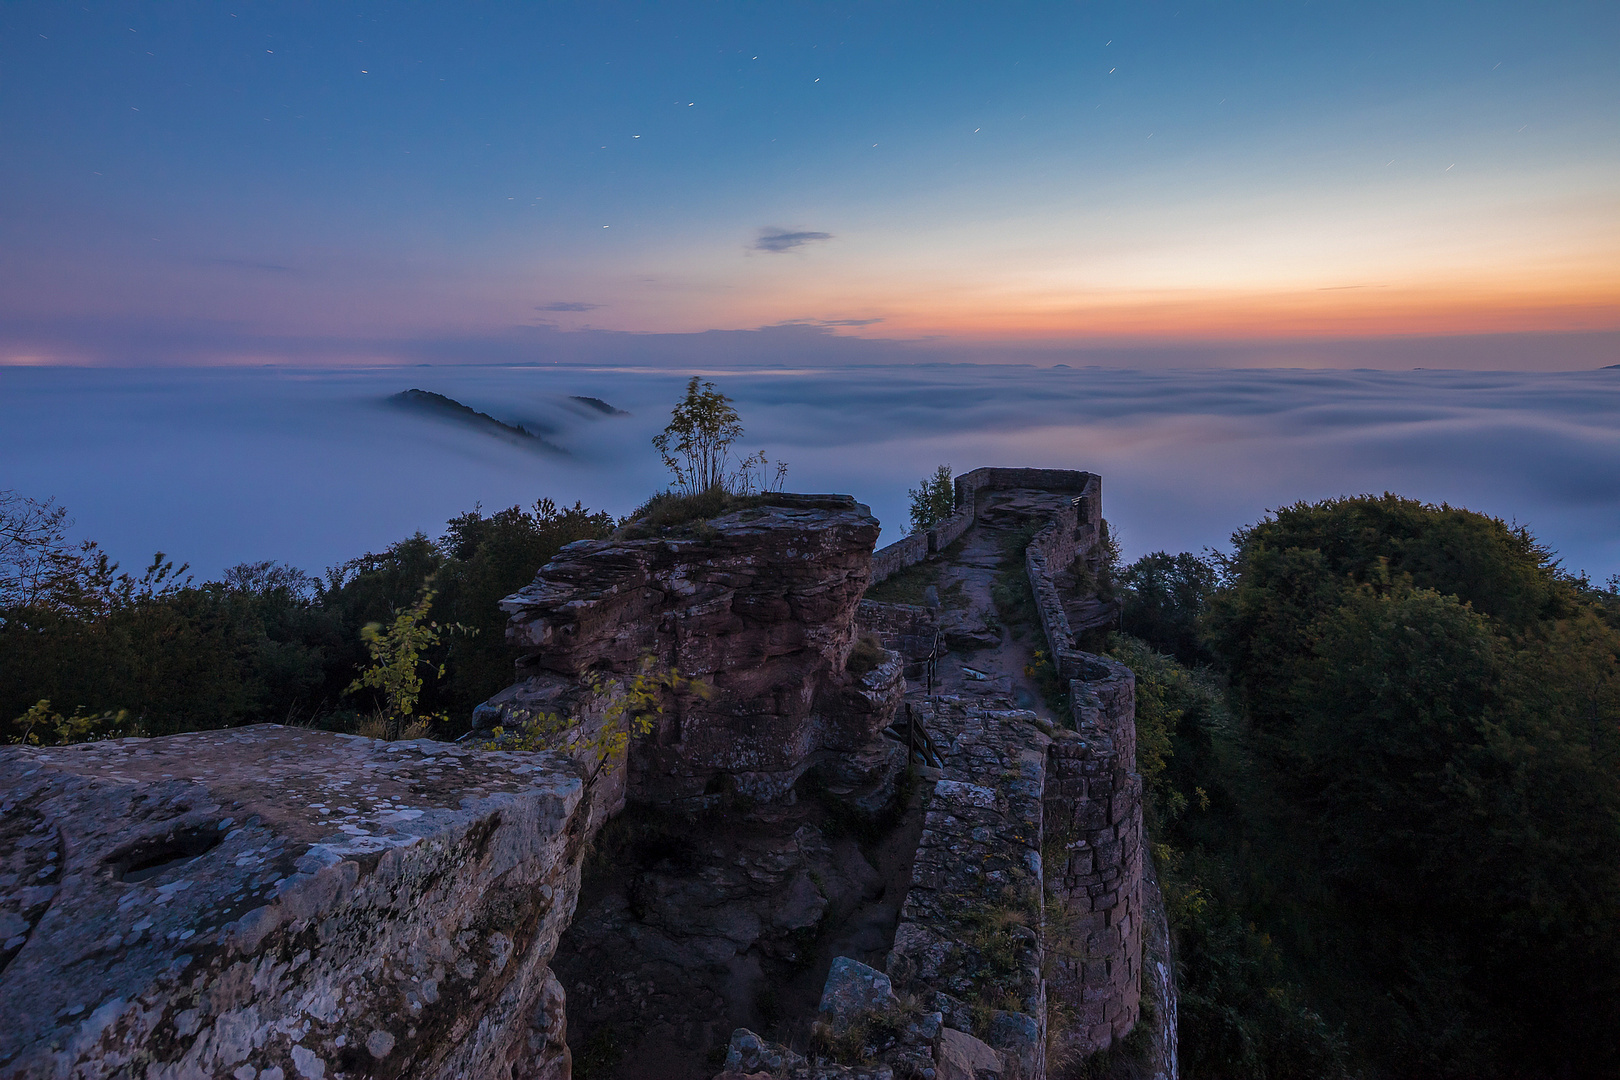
<point x="967" y="578"/>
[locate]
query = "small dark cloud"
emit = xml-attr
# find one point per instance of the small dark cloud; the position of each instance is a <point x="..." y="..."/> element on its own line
<point x="778" y="241"/>
<point x="567" y="305"/>
<point x="249" y="264"/>
<point x="827" y="322"/>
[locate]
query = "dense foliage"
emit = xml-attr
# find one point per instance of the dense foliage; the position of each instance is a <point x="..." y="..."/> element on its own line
<point x="265" y="642"/>
<point x="1397" y="851"/>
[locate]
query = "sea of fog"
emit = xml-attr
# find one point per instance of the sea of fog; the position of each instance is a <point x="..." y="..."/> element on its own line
<point x="216" y="466"/>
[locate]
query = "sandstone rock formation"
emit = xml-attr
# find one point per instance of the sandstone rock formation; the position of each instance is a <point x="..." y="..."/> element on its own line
<point x="759" y="604"/>
<point x="269" y="903"/>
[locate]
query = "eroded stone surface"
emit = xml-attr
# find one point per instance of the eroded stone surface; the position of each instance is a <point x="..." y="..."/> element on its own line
<point x="272" y="901"/>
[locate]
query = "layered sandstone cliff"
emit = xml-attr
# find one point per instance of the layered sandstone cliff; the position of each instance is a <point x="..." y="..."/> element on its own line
<point x="759" y="604"/>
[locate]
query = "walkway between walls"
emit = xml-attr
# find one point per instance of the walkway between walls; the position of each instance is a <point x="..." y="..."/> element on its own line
<point x="1032" y="903"/>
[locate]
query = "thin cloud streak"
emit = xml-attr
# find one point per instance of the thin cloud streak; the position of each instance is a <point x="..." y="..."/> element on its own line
<point x="779" y="241"/>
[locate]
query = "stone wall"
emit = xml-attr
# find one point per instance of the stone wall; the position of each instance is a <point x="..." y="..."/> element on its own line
<point x="1090" y="791"/>
<point x="913" y="549"/>
<point x="967" y="946"/>
<point x="1093" y="801"/>
<point x="970" y="484"/>
<point x="277" y="903"/>
<point x="1093" y="804"/>
<point x="907" y="551"/>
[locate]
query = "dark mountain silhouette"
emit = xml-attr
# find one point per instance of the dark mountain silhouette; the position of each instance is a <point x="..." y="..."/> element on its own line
<point x="431" y="404"/>
<point x="599" y="405"/>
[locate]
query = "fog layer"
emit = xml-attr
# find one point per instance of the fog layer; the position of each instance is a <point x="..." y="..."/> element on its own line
<point x="219" y="466"/>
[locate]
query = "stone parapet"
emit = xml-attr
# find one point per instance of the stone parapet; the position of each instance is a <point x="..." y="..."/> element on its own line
<point x="1092" y="802"/>
<point x="281" y="902"/>
<point x="968" y="942"/>
<point x="906" y="551"/>
<point x="969" y="484"/>
<point x="1093" y="811"/>
<point x="918" y="546"/>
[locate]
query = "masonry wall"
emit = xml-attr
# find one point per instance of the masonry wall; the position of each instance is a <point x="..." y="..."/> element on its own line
<point x="913" y="549"/>
<point x="1093" y="806"/>
<point x="907" y="551"/>
<point x="1093" y="795"/>
<point x="1092" y="803"/>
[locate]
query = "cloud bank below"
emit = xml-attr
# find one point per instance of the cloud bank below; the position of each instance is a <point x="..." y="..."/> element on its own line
<point x="311" y="466"/>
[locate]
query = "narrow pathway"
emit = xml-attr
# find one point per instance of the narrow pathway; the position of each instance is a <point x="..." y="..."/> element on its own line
<point x="967" y="578"/>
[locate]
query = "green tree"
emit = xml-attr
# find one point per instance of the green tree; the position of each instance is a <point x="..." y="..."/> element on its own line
<point x="933" y="500"/>
<point x="397" y="657"/>
<point x="1165" y="599"/>
<point x="696" y="447"/>
<point x="1431" y="735"/>
<point x="488" y="559"/>
<point x="1290" y="570"/>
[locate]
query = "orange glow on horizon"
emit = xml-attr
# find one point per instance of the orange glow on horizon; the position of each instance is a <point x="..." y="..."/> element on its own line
<point x="1207" y="314"/>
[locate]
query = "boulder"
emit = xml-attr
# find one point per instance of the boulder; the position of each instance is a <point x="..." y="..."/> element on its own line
<point x="960" y="1056"/>
<point x="279" y="902"/>
<point x="853" y="990"/>
<point x="749" y="1054"/>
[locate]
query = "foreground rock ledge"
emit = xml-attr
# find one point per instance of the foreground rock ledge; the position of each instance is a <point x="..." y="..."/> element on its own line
<point x="269" y="903"/>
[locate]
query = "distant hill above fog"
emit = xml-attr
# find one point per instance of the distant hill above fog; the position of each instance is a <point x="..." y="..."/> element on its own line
<point x="428" y="403"/>
<point x="608" y="410"/>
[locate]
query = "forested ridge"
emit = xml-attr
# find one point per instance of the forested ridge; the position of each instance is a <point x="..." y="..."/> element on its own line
<point x="1381" y="742"/>
<point x="158" y="653"/>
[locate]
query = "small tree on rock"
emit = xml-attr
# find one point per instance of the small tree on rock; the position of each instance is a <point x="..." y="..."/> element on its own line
<point x="696" y="446"/>
<point x="933" y="500"/>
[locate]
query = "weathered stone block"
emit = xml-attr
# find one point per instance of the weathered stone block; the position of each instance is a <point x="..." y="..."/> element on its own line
<point x="962" y="1057"/>
<point x="853" y="990"/>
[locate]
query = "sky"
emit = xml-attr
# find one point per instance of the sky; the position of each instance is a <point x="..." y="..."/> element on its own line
<point x="1140" y="185"/>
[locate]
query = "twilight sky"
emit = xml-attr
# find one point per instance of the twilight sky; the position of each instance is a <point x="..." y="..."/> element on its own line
<point x="1304" y="184"/>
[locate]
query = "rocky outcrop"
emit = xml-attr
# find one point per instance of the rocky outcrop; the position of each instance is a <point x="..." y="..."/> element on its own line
<point x="759" y="604"/>
<point x="274" y="903"/>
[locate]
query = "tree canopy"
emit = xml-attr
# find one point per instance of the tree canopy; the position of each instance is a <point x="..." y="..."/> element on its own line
<point x="1416" y="803"/>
